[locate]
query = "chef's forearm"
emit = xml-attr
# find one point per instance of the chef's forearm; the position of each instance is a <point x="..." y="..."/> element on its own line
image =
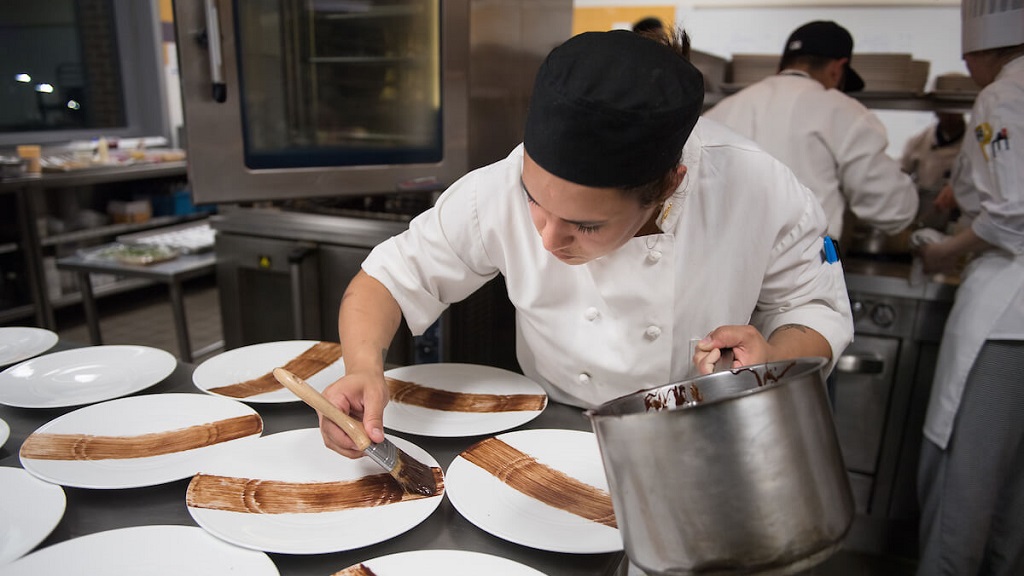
<point x="368" y="319"/>
<point x="797" y="341"/>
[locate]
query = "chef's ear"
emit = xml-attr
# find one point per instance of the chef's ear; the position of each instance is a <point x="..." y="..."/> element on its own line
<point x="673" y="183"/>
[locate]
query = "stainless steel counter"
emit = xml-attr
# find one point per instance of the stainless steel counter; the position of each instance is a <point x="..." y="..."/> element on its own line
<point x="90" y="511"/>
<point x="892" y="279"/>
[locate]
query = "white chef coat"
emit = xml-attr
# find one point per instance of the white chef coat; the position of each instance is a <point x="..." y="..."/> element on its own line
<point x="742" y="244"/>
<point x="930" y="162"/>
<point x="988" y="182"/>
<point x="832" y="142"/>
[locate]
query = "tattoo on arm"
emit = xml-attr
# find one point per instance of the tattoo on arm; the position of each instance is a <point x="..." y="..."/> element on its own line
<point x="799" y="327"/>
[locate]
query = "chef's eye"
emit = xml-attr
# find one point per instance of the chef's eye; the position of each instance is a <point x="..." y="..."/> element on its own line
<point x="587" y="229"/>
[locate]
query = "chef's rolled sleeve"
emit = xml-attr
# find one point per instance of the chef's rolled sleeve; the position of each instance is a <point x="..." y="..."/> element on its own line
<point x="422" y="268"/>
<point x="801" y="286"/>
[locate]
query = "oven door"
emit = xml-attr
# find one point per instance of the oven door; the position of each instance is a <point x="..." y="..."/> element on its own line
<point x="863" y="384"/>
<point x="301" y="98"/>
<point x="269" y="289"/>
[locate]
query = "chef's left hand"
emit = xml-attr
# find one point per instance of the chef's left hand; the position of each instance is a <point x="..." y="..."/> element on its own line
<point x="938" y="258"/>
<point x="747" y="343"/>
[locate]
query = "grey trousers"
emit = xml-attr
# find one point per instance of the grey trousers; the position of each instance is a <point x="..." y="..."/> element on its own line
<point x="972" y="493"/>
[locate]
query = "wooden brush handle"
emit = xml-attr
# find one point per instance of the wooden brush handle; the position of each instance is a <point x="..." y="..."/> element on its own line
<point x="316" y="400"/>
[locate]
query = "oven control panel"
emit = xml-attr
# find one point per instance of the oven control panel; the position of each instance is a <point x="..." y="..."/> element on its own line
<point x="873" y="314"/>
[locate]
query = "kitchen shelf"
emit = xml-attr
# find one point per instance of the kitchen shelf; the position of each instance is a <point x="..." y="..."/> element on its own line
<point x="111" y="230"/>
<point x="32" y="194"/>
<point x="890" y="101"/>
<point x="8" y="248"/>
<point x="16" y="313"/>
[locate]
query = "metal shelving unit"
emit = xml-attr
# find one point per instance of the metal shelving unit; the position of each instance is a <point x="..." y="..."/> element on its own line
<point x="35" y="247"/>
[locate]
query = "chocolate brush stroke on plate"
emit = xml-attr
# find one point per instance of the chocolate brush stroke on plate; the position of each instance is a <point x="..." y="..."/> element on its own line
<point x="427" y="397"/>
<point x="540" y="482"/>
<point x="255" y="496"/>
<point x="46" y="446"/>
<point x="316" y="358"/>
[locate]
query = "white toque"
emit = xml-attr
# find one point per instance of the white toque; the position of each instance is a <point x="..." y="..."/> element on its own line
<point x="988" y="24"/>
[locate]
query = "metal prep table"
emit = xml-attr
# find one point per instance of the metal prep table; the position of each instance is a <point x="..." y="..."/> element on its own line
<point x="89" y="511"/>
<point x="172" y="273"/>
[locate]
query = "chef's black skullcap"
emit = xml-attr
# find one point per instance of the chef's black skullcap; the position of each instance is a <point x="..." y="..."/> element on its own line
<point x="612" y="109"/>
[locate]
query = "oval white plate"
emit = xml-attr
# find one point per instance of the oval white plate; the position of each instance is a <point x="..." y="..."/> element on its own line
<point x="5" y="432"/>
<point x="133" y="416"/>
<point x="248" y="362"/>
<point x="446" y="562"/>
<point x="503" y="511"/>
<point x="149" y="550"/>
<point x="300" y="456"/>
<point x="461" y="378"/>
<point x="83" y="376"/>
<point x="29" y="510"/>
<point x="19" y="343"/>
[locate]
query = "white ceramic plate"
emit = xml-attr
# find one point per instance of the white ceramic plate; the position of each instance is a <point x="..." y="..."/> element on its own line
<point x="21" y="343"/>
<point x="84" y="376"/>
<point x="5" y="432"/>
<point x="446" y="562"/>
<point x="29" y="510"/>
<point x="300" y="456"/>
<point x="461" y="378"/>
<point x="149" y="550"/>
<point x="248" y="362"/>
<point x="134" y="416"/>
<point x="505" y="512"/>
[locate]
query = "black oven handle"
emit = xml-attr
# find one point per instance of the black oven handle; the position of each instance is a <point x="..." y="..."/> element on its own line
<point x="852" y="364"/>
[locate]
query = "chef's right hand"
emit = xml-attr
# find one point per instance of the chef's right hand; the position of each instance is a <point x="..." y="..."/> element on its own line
<point x="945" y="200"/>
<point x="363" y="396"/>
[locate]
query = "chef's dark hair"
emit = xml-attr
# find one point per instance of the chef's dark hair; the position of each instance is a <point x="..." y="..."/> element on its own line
<point x="613" y="110"/>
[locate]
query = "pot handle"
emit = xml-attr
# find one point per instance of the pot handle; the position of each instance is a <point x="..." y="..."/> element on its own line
<point x="850" y="364"/>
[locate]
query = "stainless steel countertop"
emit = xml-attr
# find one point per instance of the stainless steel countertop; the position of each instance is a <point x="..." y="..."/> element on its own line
<point x="90" y="511"/>
<point x="892" y="279"/>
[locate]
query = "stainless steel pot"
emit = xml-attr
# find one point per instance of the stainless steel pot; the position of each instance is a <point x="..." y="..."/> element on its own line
<point x="737" y="472"/>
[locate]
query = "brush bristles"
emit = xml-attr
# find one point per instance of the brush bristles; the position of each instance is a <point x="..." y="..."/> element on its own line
<point x="414" y="476"/>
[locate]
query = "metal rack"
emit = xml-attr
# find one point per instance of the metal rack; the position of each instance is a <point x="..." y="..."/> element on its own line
<point x="29" y="191"/>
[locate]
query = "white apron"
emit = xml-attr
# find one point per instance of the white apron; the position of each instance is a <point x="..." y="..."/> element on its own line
<point x="981" y="300"/>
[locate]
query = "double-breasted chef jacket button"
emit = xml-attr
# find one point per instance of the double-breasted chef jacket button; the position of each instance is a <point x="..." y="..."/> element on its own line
<point x="591" y="314"/>
<point x="654" y="255"/>
<point x="584" y="378"/>
<point x="652" y="332"/>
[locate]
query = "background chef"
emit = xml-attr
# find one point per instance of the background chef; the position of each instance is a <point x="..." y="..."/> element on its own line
<point x="971" y="475"/>
<point x="623" y="228"/>
<point x="834" y="144"/>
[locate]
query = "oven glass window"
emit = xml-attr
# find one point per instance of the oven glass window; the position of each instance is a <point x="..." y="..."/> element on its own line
<point x="59" y="68"/>
<point x="339" y="82"/>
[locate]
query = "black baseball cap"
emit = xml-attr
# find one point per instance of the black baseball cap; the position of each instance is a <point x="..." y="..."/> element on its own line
<point x="825" y="38"/>
<point x="612" y="109"/>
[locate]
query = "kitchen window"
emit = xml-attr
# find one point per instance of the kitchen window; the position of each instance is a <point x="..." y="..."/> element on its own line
<point x="79" y="69"/>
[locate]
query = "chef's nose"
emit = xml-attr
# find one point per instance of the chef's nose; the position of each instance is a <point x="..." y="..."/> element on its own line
<point x="555" y="234"/>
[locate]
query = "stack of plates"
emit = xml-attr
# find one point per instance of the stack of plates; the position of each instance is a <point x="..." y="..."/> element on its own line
<point x="917" y="80"/>
<point x="884" y="72"/>
<point x="955" y="84"/>
<point x="745" y="69"/>
<point x="712" y="67"/>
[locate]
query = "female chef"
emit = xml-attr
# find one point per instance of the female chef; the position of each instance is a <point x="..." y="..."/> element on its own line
<point x="971" y="475"/>
<point x="623" y="228"/>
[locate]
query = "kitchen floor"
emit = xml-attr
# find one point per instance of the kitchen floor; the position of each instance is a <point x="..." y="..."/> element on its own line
<point x="143" y="317"/>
